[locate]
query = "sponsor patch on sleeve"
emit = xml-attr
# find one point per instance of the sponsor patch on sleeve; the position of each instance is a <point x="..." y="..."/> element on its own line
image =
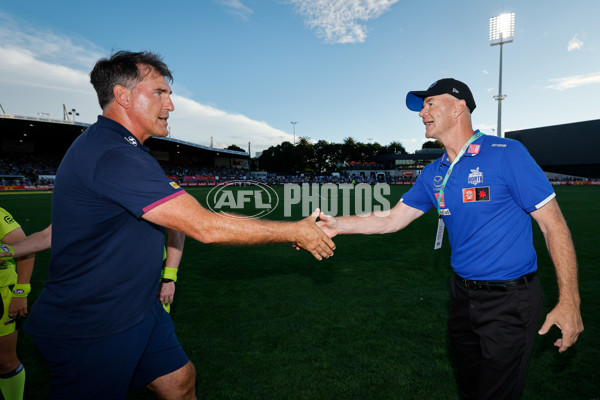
<point x="476" y="194"/>
<point x="174" y="185"/>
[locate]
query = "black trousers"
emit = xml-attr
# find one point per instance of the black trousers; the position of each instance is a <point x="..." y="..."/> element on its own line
<point x="492" y="330"/>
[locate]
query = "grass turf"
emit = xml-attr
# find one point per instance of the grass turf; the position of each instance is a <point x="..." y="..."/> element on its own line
<point x="268" y="322"/>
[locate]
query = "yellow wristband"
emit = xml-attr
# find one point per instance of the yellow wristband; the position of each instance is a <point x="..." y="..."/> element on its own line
<point x="170" y="273"/>
<point x="21" y="290"/>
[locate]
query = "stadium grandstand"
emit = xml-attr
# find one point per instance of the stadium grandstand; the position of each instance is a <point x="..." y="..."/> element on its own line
<point x="31" y="149"/>
<point x="569" y="150"/>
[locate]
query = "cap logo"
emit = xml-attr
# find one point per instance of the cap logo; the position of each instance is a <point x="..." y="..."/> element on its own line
<point x="454" y="90"/>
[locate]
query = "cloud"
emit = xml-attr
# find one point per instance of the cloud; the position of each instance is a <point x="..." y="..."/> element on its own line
<point x="574" y="81"/>
<point x="237" y="8"/>
<point x="74" y="52"/>
<point x="25" y="69"/>
<point x="36" y="80"/>
<point x="202" y="124"/>
<point x="30" y="86"/>
<point x="575" y="44"/>
<point x="341" y="21"/>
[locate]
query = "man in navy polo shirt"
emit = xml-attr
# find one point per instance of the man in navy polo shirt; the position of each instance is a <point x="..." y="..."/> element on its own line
<point x="98" y="324"/>
<point x="485" y="189"/>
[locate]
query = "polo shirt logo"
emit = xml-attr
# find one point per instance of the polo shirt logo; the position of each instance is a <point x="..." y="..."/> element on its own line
<point x="131" y="140"/>
<point x="475" y="177"/>
<point x="476" y="194"/>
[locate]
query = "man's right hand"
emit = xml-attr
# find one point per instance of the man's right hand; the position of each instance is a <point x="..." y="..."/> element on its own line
<point x="328" y="224"/>
<point x="313" y="239"/>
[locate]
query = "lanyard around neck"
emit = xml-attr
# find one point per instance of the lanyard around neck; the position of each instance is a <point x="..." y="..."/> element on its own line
<point x="473" y="138"/>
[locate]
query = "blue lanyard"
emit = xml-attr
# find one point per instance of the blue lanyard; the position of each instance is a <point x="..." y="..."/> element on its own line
<point x="473" y="138"/>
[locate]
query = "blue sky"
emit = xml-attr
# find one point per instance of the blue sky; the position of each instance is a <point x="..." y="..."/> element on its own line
<point x="244" y="69"/>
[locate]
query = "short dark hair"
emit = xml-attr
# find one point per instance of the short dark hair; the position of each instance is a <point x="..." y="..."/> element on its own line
<point x="122" y="68"/>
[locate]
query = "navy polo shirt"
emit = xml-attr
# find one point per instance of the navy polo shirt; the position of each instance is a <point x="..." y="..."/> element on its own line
<point x="486" y="205"/>
<point x="106" y="260"/>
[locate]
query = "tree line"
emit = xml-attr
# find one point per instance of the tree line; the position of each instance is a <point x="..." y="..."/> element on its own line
<point x="321" y="157"/>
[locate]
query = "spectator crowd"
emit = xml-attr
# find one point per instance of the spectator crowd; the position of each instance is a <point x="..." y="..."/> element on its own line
<point x="29" y="169"/>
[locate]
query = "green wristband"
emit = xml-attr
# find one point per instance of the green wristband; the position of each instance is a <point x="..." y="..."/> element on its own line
<point x="21" y="290"/>
<point x="170" y="273"/>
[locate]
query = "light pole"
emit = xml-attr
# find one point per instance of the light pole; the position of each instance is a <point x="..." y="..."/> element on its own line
<point x="294" y="127"/>
<point x="73" y="112"/>
<point x="502" y="30"/>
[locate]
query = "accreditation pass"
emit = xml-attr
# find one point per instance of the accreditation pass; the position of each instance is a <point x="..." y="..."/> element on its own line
<point x="439" y="236"/>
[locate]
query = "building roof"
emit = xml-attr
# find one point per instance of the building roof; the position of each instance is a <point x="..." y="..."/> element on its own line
<point x="570" y="149"/>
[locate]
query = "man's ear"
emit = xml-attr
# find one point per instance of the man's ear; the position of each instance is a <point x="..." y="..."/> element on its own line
<point x="122" y="96"/>
<point x="460" y="107"/>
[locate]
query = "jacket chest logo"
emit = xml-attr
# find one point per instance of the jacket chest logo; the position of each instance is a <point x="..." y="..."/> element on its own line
<point x="475" y="177"/>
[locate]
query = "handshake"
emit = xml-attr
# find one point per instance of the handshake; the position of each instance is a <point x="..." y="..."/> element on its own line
<point x="319" y="234"/>
<point x="308" y="233"/>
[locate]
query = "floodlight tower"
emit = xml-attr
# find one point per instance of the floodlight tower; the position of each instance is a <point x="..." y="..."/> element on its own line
<point x="73" y="112"/>
<point x="502" y="30"/>
<point x="294" y="126"/>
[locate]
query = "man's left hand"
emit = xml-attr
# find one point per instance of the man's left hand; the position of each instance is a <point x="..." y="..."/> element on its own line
<point x="167" y="292"/>
<point x="18" y="306"/>
<point x="567" y="318"/>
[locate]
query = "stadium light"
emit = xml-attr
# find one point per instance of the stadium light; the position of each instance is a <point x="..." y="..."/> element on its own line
<point x="73" y="112"/>
<point x="502" y="30"/>
<point x="294" y="125"/>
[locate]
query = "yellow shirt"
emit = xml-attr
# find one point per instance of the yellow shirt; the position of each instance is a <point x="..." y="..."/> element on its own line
<point x="8" y="271"/>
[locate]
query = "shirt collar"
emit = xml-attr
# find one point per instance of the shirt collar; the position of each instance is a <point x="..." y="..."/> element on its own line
<point x="472" y="151"/>
<point x="121" y="131"/>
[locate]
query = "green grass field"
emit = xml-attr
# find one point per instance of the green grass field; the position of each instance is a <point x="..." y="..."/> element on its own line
<point x="269" y="322"/>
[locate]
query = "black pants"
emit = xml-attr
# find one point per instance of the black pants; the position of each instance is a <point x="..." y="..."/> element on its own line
<point x="492" y="332"/>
